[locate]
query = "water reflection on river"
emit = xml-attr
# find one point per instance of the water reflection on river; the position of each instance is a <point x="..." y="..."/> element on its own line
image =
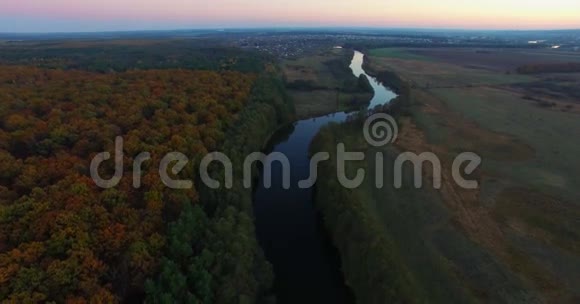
<point x="288" y="227"/>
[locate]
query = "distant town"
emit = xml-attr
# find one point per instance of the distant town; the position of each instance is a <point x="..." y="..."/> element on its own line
<point x="295" y="44"/>
<point x="292" y="43"/>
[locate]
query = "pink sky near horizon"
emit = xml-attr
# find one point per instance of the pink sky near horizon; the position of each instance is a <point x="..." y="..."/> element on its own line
<point x="488" y="14"/>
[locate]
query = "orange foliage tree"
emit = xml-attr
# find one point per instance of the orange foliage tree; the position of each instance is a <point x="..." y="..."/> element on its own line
<point x="61" y="237"/>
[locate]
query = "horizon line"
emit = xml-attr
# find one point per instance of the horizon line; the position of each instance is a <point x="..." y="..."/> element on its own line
<point x="217" y="28"/>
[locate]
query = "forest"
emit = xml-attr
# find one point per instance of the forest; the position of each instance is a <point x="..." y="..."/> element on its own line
<point x="63" y="239"/>
<point x="132" y="54"/>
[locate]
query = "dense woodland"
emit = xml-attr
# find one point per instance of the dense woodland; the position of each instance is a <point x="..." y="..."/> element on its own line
<point x="63" y="239"/>
<point x="233" y="269"/>
<point x="382" y="278"/>
<point x="106" y="56"/>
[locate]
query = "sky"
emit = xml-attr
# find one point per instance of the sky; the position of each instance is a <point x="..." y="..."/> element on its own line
<point x="119" y="15"/>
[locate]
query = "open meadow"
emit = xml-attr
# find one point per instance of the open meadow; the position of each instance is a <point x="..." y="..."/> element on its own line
<point x="516" y="238"/>
<point x="323" y="83"/>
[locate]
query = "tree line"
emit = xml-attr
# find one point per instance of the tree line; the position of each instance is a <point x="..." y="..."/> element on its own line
<point x="226" y="263"/>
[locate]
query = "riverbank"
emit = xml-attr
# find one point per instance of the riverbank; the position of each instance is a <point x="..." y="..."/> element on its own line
<point x="353" y="224"/>
<point x="511" y="240"/>
<point x="323" y="84"/>
<point x="251" y="277"/>
<point x="524" y="212"/>
<point x="407" y="230"/>
<point x="307" y="266"/>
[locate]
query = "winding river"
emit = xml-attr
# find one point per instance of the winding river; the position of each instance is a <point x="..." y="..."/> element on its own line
<point x="288" y="226"/>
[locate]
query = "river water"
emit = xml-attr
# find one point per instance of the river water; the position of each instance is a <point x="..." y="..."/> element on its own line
<point x="288" y="226"/>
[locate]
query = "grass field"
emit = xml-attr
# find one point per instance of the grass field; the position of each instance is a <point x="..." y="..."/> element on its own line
<point x="529" y="177"/>
<point x="498" y="60"/>
<point x="555" y="165"/>
<point x="431" y="74"/>
<point x="327" y="81"/>
<point x="320" y="102"/>
<point x="516" y="238"/>
<point x="445" y="264"/>
<point x="397" y="53"/>
<point x="313" y="68"/>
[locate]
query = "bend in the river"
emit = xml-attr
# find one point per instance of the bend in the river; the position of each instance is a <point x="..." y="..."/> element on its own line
<point x="288" y="226"/>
